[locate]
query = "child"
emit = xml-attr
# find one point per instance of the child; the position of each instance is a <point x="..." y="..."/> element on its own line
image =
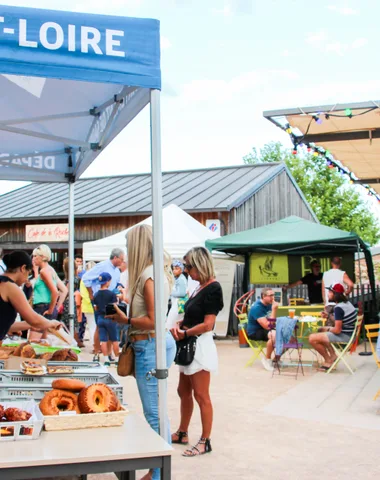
<point x="107" y="328"/>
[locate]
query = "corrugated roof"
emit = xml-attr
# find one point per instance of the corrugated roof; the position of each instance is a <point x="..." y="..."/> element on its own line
<point x="215" y="189"/>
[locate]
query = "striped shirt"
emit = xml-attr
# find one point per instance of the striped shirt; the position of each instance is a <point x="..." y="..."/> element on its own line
<point x="347" y="314"/>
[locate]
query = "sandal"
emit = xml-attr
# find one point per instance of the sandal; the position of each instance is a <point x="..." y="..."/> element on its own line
<point x="194" y="451"/>
<point x="181" y="436"/>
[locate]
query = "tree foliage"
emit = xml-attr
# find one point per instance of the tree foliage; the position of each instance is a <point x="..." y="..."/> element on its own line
<point x="329" y="193"/>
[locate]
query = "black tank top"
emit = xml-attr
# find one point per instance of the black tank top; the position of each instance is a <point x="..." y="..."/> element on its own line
<point x="7" y="311"/>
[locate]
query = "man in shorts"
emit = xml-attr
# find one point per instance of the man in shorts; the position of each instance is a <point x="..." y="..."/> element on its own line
<point x="259" y="325"/>
<point x="345" y="316"/>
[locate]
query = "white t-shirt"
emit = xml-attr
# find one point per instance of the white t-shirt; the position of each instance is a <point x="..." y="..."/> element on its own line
<point x="331" y="278"/>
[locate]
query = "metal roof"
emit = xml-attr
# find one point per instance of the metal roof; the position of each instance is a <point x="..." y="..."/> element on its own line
<point x="213" y="189"/>
<point x="350" y="132"/>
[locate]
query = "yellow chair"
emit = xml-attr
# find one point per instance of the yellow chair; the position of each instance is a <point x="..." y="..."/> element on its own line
<point x="293" y="301"/>
<point x="342" y="348"/>
<point x="256" y="345"/>
<point x="372" y="331"/>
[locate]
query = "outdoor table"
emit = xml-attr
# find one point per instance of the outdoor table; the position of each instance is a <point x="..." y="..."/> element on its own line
<point x="283" y="311"/>
<point x="123" y="450"/>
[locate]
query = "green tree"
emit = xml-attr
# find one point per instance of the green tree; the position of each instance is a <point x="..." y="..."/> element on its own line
<point x="329" y="193"/>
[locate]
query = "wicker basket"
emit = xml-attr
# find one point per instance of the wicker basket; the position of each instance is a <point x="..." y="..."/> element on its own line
<point x="85" y="420"/>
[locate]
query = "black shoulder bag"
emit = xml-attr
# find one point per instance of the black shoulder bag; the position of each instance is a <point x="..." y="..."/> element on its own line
<point x="185" y="351"/>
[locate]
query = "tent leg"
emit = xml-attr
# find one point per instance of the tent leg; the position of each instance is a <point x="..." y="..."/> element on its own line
<point x="71" y="257"/>
<point x="158" y="260"/>
<point x="366" y="353"/>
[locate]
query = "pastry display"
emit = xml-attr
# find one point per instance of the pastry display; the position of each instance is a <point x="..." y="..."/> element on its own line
<point x="70" y="384"/>
<point x="16" y="415"/>
<point x="71" y="356"/>
<point x="98" y="398"/>
<point x="17" y="350"/>
<point x="29" y="367"/>
<point x="28" y="352"/>
<point x="6" y="352"/>
<point x="59" y="369"/>
<point x="46" y="356"/>
<point x="60" y="355"/>
<point x="57" y="401"/>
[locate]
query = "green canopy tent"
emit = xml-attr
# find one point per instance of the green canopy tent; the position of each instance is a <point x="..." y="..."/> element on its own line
<point x="296" y="236"/>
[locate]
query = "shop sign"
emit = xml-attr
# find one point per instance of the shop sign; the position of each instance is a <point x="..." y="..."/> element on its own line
<point x="56" y="232"/>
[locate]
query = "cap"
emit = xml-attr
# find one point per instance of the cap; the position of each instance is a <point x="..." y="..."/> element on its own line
<point x="337" y="288"/>
<point x="179" y="264"/>
<point x="104" y="278"/>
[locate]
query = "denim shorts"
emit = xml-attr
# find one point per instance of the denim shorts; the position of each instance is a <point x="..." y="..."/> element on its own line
<point x="107" y="329"/>
<point x="340" y="337"/>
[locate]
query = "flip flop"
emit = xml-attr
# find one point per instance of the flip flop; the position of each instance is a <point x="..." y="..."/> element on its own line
<point x="323" y="368"/>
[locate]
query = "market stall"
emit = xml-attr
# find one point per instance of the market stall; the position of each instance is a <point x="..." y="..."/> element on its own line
<point x="69" y="84"/>
<point x="284" y="240"/>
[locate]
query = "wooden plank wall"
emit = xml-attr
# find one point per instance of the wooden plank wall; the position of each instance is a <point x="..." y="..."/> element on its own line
<point x="88" y="229"/>
<point x="276" y="200"/>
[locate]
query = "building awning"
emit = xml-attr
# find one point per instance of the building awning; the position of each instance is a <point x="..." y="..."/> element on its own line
<point x="348" y="135"/>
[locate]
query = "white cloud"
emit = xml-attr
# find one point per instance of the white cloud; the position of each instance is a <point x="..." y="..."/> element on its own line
<point x="342" y="10"/>
<point x="222" y="91"/>
<point x="337" y="47"/>
<point x="359" y="42"/>
<point x="226" y="11"/>
<point x="165" y="43"/>
<point x="316" y="38"/>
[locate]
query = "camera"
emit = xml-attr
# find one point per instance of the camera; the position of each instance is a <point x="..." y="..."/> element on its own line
<point x="110" y="308"/>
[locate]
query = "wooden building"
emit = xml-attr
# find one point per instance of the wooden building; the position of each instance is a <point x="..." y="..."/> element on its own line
<point x="235" y="198"/>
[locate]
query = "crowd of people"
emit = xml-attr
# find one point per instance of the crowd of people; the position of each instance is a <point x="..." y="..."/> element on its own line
<point x="31" y="288"/>
<point x="331" y="289"/>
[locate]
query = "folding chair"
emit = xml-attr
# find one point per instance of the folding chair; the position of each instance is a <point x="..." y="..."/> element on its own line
<point x="342" y="348"/>
<point x="292" y="345"/>
<point x="293" y="301"/>
<point x="256" y="345"/>
<point x="373" y="332"/>
<point x="240" y="310"/>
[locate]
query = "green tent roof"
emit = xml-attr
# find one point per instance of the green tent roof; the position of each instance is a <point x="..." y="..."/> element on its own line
<point x="291" y="235"/>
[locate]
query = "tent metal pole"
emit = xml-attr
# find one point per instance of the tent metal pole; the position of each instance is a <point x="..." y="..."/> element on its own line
<point x="161" y="372"/>
<point x="361" y="298"/>
<point x="71" y="256"/>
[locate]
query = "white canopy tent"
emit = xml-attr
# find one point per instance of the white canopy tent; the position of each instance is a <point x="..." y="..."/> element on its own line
<point x="180" y="232"/>
<point x="69" y="83"/>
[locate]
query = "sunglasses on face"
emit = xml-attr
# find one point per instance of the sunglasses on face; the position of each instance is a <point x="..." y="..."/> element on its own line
<point x="187" y="266"/>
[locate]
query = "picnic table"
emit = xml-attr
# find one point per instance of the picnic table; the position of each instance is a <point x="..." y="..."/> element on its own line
<point x="123" y="450"/>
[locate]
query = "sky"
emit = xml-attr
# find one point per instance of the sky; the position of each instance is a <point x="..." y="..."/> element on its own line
<point x="226" y="61"/>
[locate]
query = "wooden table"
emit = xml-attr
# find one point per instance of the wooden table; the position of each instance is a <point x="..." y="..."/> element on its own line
<point x="123" y="450"/>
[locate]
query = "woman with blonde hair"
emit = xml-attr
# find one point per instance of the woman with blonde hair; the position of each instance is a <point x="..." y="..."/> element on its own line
<point x="49" y="291"/>
<point x="194" y="380"/>
<point x="141" y="320"/>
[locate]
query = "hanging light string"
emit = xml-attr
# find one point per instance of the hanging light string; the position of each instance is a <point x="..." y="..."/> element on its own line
<point x="322" y="153"/>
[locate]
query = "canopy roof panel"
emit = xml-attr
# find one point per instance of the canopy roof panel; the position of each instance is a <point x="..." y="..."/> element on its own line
<point x="291" y="235"/>
<point x="350" y="132"/>
<point x="69" y="83"/>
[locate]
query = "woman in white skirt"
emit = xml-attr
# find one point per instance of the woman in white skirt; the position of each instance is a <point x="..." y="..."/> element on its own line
<point x="194" y="380"/>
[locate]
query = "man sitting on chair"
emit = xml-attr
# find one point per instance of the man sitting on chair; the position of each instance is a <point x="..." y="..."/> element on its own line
<point x="345" y="316"/>
<point x="259" y="325"/>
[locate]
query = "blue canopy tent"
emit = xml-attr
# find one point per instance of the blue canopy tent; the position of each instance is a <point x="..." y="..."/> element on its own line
<point x="69" y="83"/>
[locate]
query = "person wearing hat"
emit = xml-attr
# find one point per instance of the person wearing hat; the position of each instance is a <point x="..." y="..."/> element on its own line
<point x="345" y="315"/>
<point x="107" y="328"/>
